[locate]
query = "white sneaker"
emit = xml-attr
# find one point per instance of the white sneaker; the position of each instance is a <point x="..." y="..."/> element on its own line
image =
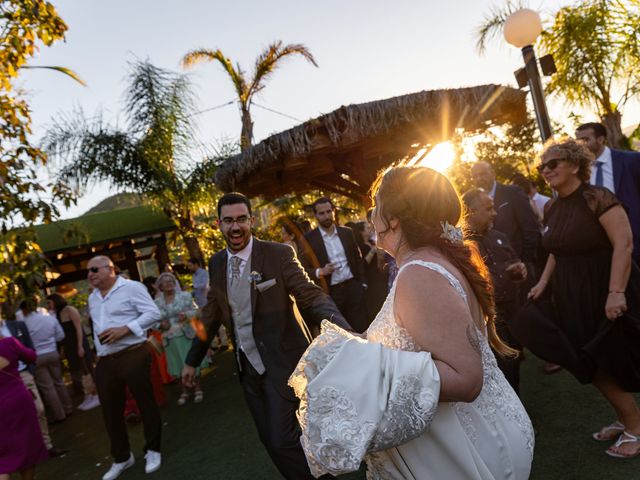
<point x="92" y="402"/>
<point x="117" y="468"/>
<point x="153" y="459"/>
<point x="84" y="402"/>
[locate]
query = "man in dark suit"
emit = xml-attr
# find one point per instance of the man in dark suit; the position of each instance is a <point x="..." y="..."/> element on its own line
<point x="334" y="262"/>
<point x="506" y="270"/>
<point x="20" y="331"/>
<point x="251" y="285"/>
<point x="515" y="218"/>
<point x="617" y="170"/>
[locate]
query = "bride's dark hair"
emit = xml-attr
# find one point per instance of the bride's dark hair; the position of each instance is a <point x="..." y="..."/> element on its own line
<point x="422" y="199"/>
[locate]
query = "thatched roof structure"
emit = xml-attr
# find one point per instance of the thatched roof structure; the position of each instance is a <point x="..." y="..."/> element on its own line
<point x="342" y="151"/>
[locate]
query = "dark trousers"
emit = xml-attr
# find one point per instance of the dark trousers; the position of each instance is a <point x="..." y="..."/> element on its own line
<point x="349" y="298"/>
<point x="130" y="368"/>
<point x="510" y="366"/>
<point x="275" y="419"/>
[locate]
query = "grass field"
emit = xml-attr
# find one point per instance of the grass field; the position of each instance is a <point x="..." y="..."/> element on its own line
<point x="216" y="439"/>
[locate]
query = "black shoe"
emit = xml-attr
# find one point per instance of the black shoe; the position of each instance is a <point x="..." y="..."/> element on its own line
<point x="58" y="452"/>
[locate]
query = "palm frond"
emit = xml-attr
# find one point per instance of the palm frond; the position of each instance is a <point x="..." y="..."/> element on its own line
<point x="270" y="59"/>
<point x="92" y="152"/>
<point x="204" y="55"/>
<point x="493" y="22"/>
<point x="66" y="71"/>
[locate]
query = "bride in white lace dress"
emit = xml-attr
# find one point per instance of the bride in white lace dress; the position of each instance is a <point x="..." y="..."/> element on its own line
<point x="422" y="397"/>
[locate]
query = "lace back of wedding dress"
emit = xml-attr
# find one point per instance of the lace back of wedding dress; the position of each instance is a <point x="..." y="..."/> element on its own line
<point x="496" y="395"/>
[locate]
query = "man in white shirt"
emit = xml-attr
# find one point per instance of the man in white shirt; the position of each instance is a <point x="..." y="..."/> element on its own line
<point x="45" y="332"/>
<point x="122" y="311"/>
<point x="335" y="263"/>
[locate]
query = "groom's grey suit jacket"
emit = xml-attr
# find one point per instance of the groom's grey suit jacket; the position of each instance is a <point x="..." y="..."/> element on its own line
<point x="281" y="335"/>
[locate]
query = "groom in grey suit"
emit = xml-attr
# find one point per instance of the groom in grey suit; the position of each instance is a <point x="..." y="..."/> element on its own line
<point x="252" y="283"/>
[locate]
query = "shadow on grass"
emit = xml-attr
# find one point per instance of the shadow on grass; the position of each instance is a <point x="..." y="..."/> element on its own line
<point x="217" y="440"/>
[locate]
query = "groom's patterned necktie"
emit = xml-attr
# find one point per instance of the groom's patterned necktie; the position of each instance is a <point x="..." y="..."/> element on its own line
<point x="235" y="269"/>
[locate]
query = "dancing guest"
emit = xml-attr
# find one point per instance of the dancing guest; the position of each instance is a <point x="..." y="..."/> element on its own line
<point x="21" y="444"/>
<point x="45" y="332"/>
<point x="177" y="309"/>
<point x="76" y="349"/>
<point x="585" y="315"/>
<point x="507" y="272"/>
<point x="121" y="311"/>
<point x="374" y="269"/>
<point x="515" y="217"/>
<point x="422" y="396"/>
<point x="20" y="332"/>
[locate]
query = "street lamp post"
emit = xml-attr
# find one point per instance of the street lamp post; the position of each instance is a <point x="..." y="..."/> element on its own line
<point x="521" y="29"/>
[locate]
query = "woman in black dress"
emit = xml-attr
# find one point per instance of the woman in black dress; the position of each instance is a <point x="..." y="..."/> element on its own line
<point x="585" y="313"/>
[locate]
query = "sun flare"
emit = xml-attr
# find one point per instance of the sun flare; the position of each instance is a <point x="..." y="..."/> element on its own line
<point x="440" y="158"/>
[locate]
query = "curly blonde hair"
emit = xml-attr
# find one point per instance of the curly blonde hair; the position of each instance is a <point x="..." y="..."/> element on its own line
<point x="573" y="152"/>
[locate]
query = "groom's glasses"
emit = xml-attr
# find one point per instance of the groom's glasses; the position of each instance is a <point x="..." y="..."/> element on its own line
<point x="241" y="220"/>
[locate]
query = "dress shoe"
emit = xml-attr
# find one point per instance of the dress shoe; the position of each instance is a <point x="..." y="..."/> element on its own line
<point x="58" y="452"/>
<point x="154" y="460"/>
<point x="117" y="468"/>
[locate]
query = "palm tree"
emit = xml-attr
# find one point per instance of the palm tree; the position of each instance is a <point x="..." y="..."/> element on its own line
<point x="246" y="88"/>
<point x="597" y="55"/>
<point x="150" y="156"/>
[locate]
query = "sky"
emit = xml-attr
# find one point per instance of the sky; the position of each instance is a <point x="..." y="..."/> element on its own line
<point x="366" y="50"/>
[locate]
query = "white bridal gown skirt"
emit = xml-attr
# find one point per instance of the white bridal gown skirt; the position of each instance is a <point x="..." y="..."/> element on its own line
<point x="363" y="401"/>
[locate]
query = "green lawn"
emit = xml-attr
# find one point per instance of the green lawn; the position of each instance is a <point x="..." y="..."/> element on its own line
<point x="216" y="439"/>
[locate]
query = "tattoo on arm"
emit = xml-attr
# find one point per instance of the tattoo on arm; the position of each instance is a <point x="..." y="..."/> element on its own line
<point x="472" y="336"/>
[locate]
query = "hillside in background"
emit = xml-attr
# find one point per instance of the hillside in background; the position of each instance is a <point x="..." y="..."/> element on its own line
<point x="116" y="202"/>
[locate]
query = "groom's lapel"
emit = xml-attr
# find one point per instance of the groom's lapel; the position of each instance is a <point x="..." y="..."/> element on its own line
<point x="220" y="281"/>
<point x="257" y="259"/>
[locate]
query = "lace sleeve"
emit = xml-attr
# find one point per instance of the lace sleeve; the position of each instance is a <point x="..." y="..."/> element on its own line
<point x="358" y="397"/>
<point x="599" y="199"/>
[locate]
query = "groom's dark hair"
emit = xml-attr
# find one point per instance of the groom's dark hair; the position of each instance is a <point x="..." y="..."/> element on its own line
<point x="233" y="198"/>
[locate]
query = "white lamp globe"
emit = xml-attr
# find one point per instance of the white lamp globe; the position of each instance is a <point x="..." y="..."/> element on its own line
<point x="522" y="28"/>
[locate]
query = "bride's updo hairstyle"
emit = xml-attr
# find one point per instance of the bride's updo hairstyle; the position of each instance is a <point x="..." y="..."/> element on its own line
<point x="422" y="200"/>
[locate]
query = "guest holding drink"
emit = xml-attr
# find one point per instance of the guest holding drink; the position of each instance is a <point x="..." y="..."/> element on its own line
<point x="506" y="270"/>
<point x="177" y="309"/>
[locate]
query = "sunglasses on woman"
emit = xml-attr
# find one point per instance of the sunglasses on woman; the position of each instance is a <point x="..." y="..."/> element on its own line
<point x="551" y="165"/>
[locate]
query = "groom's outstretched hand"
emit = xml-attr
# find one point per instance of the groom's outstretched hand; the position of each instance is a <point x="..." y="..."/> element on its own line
<point x="188" y="374"/>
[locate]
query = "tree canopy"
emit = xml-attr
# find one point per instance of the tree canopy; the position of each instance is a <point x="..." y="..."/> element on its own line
<point x="24" y="198"/>
<point x="151" y="156"/>
<point x="595" y="47"/>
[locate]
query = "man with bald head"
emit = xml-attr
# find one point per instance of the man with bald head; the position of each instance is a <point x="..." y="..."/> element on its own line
<point x="122" y="311"/>
<point x="514" y="215"/>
